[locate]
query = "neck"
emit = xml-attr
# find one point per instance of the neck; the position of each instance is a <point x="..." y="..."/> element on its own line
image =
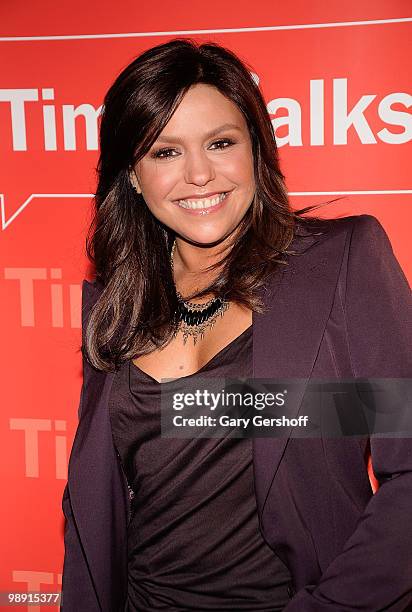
<point x="190" y="263"/>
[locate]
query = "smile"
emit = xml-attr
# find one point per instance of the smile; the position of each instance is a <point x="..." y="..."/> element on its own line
<point x="203" y="204"/>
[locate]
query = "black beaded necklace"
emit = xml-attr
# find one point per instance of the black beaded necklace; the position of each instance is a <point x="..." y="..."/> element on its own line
<point x="196" y="318"/>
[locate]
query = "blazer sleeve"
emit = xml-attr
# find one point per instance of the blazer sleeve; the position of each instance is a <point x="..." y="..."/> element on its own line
<point x="374" y="570"/>
<point x="78" y="592"/>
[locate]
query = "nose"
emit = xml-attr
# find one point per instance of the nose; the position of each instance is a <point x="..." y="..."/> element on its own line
<point x="199" y="169"/>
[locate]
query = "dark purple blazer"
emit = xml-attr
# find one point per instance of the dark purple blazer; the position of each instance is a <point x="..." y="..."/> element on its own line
<point x="340" y="309"/>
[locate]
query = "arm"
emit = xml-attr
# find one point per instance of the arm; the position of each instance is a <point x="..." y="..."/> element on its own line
<point x="374" y="570"/>
<point x="78" y="592"/>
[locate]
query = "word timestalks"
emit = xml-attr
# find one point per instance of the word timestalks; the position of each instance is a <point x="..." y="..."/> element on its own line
<point x="33" y="111"/>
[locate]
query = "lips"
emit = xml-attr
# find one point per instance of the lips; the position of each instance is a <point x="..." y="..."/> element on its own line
<point x="202" y="203"/>
<point x="201" y="196"/>
<point x="200" y="210"/>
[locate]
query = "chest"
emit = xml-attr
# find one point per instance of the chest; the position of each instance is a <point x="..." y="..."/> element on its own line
<point x="177" y="359"/>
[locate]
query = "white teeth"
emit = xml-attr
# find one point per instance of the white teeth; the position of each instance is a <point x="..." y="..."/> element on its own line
<point x="204" y="203"/>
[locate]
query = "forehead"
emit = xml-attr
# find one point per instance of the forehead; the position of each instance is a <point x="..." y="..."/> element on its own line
<point x="202" y="109"/>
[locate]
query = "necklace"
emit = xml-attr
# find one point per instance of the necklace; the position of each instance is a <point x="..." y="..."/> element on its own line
<point x="196" y="318"/>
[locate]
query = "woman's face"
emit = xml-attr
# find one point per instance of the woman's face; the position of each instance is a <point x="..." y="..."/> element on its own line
<point x="203" y="152"/>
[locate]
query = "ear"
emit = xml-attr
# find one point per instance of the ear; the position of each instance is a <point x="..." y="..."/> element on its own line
<point x="134" y="181"/>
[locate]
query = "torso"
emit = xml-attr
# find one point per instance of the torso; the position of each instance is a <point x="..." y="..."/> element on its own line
<point x="177" y="359"/>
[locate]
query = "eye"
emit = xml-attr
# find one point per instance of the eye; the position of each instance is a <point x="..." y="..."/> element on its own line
<point x="223" y="141"/>
<point x="167" y="153"/>
<point x="162" y="153"/>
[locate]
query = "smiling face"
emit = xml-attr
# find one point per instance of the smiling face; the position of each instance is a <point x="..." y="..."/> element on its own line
<point x="203" y="152"/>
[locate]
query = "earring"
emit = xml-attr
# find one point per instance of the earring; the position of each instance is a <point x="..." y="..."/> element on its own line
<point x="135" y="182"/>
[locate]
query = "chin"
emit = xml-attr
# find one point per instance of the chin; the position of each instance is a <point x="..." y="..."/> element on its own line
<point x="204" y="238"/>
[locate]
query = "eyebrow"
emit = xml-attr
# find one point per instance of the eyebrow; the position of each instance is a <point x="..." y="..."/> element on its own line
<point x="221" y="128"/>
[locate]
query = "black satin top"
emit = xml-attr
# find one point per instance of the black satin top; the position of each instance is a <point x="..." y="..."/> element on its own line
<point x="194" y="541"/>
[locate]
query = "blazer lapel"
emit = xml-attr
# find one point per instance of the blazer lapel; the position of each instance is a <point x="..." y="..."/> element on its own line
<point x="286" y="339"/>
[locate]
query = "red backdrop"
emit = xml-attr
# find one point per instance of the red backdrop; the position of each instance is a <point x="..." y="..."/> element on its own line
<point x="336" y="78"/>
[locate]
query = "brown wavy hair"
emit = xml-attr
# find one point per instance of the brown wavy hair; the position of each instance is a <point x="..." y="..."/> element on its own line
<point x="129" y="247"/>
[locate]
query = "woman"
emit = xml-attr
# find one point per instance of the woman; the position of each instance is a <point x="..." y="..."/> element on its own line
<point x="197" y="254"/>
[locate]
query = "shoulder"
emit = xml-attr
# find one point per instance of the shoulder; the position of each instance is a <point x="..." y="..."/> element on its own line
<point x="90" y="294"/>
<point x="354" y="231"/>
<point x="91" y="288"/>
<point x="368" y="232"/>
<point x="365" y="224"/>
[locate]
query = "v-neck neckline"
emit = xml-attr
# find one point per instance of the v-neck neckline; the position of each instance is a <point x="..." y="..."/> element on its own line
<point x="208" y="363"/>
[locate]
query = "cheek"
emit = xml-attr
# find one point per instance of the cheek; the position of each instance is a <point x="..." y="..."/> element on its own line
<point x="158" y="186"/>
<point x="249" y="168"/>
<point x="239" y="168"/>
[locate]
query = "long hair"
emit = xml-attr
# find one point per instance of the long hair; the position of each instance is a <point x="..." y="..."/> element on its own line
<point x="130" y="248"/>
